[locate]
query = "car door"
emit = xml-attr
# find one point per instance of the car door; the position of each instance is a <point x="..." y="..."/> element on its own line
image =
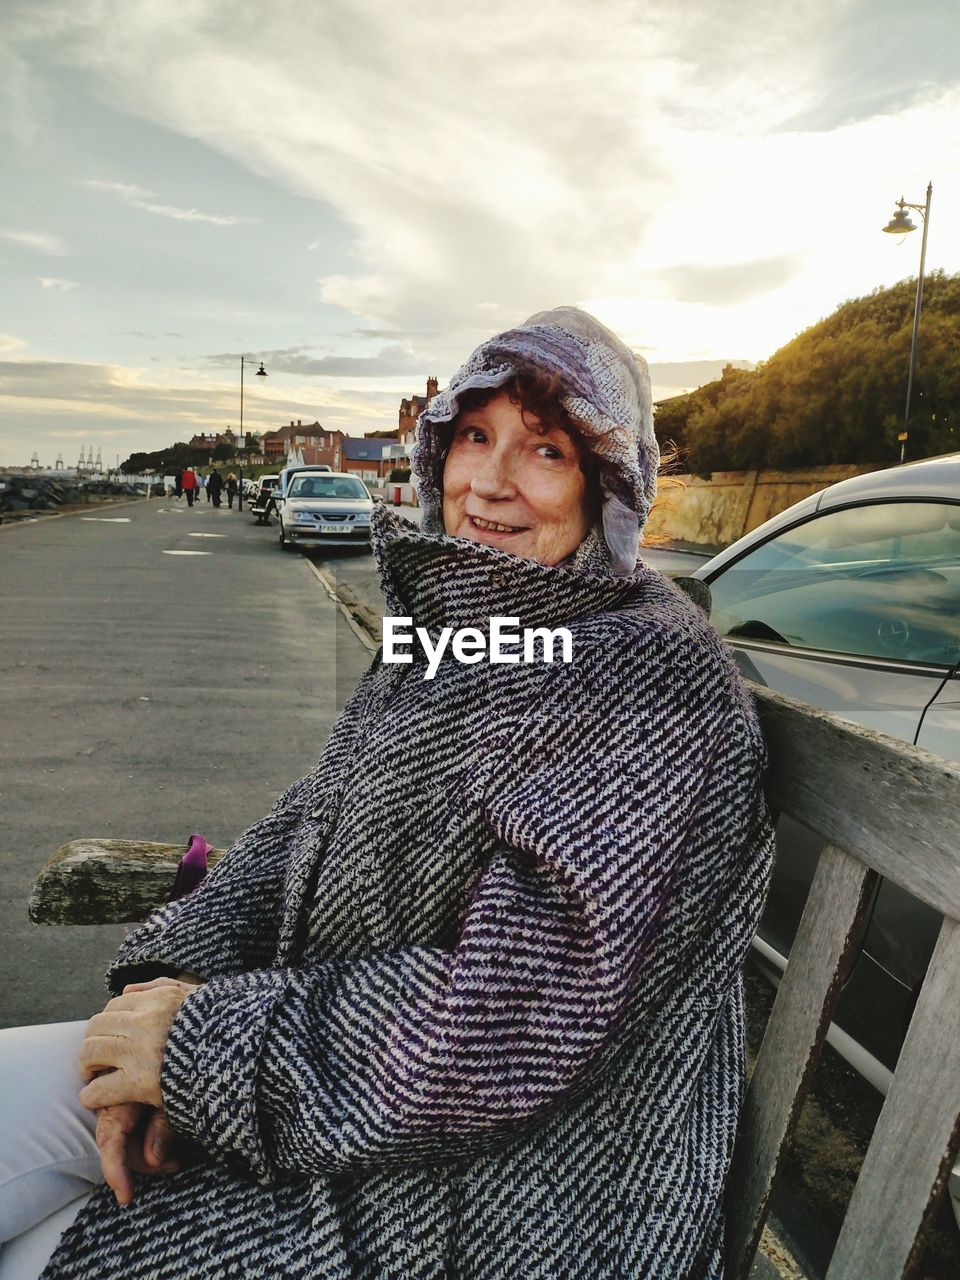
<point x="904" y="931"/>
<point x="855" y="610"/>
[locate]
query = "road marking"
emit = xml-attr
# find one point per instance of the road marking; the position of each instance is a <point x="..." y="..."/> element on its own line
<point x="188" y="553"/>
<point x="206" y="535"/>
<point x="106" y="519"/>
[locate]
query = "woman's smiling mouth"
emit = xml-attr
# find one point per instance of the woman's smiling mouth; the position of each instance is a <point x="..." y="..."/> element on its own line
<point x="494" y="526"/>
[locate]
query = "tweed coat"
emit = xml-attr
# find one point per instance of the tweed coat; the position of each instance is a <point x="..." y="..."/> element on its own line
<point x="473" y="1003"/>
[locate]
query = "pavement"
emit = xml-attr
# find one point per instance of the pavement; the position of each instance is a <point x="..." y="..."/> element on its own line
<point x="162" y="670"/>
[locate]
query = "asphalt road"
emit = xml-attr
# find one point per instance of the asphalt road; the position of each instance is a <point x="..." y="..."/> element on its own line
<point x="162" y="671"/>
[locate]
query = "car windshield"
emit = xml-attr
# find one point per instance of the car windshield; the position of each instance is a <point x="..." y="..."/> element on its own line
<point x="327" y="486"/>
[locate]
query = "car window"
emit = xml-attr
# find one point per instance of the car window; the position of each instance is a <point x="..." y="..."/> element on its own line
<point x="326" y="486"/>
<point x="881" y="580"/>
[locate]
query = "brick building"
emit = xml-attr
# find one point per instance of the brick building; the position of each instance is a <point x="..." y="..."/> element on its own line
<point x="365" y="457"/>
<point x="209" y="440"/>
<point x="410" y="410"/>
<point x="322" y="444"/>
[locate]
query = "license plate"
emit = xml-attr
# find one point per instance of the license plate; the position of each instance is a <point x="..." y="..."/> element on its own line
<point x="335" y="528"/>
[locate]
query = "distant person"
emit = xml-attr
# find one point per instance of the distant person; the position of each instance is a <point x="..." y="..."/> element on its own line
<point x="205" y="481"/>
<point x="178" y="486"/>
<point x="190" y="485"/>
<point x="214" y="487"/>
<point x="233" y="488"/>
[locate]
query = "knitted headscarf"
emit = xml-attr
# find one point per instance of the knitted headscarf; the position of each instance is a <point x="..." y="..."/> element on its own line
<point x="606" y="394"/>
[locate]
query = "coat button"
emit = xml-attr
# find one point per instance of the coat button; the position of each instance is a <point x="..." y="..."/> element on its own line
<point x="497" y="578"/>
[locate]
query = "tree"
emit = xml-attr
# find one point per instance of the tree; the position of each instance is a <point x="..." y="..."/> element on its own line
<point x="836" y="392"/>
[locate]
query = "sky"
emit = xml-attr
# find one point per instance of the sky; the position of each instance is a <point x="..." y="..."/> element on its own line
<point x="357" y="192"/>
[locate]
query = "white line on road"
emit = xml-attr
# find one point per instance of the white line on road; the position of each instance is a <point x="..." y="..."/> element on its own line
<point x="106" y="519"/>
<point x="188" y="553"/>
<point x="206" y="535"/>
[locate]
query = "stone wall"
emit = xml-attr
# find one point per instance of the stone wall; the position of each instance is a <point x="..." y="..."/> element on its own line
<point x="713" y="513"/>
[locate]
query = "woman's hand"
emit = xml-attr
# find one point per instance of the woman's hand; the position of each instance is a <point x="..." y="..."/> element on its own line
<point x="133" y="1139"/>
<point x="122" y="1052"/>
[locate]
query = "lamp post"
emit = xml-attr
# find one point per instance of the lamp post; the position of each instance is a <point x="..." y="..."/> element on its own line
<point x="261" y="373"/>
<point x="899" y="224"/>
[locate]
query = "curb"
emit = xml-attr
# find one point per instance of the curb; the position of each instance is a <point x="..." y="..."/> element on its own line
<point x="344" y="599"/>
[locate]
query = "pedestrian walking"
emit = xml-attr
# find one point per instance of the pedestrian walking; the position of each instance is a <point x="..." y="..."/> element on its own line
<point x="502" y="1034"/>
<point x="190" y="485"/>
<point x="178" y="485"/>
<point x="233" y="488"/>
<point x="206" y="485"/>
<point x="214" y="486"/>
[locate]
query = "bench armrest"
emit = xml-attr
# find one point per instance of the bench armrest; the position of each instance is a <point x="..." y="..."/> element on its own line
<point x="106" y="881"/>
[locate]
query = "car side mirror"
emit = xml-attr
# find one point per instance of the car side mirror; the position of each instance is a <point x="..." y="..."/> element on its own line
<point x="698" y="592"/>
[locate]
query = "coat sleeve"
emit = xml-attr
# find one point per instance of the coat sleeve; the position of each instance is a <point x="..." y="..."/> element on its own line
<point x="423" y="1054"/>
<point x="230" y="923"/>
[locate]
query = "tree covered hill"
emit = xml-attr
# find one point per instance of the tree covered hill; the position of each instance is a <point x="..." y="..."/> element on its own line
<point x="836" y="393"/>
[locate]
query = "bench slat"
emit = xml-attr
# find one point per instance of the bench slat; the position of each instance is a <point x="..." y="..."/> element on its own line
<point x="106" y="881"/>
<point x="821" y="955"/>
<point x="908" y="1161"/>
<point x="894" y="806"/>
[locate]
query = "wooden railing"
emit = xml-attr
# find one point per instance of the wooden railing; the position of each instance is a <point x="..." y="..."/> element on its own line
<point x="886" y="809"/>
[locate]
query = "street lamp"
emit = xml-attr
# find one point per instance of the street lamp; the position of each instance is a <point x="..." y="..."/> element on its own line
<point x="261" y="373"/>
<point x="899" y="224"/>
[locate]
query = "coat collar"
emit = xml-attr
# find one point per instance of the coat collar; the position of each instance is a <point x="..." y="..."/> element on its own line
<point x="442" y="581"/>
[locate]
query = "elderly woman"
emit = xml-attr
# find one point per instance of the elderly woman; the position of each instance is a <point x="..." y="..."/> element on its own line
<point x="468" y="1001"/>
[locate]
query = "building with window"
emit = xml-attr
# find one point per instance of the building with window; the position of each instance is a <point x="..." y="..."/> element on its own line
<point x="410" y="410"/>
<point x="314" y="437"/>
<point x="368" y="458"/>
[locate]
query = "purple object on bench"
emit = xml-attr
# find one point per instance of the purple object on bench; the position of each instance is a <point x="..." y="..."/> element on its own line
<point x="192" y="867"/>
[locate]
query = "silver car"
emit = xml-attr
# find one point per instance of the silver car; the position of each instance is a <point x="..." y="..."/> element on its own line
<point x="325" y="509"/>
<point x="850" y="600"/>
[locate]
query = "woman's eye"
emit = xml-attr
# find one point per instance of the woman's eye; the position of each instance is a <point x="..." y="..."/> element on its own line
<point x="473" y="434"/>
<point x="549" y="451"/>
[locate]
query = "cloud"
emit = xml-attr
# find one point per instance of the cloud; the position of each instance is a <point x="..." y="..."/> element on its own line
<point x="390" y="361"/>
<point x="139" y="198"/>
<point x="40" y="241"/>
<point x="9" y="343"/>
<point x="545" y="157"/>
<point x="691" y="373"/>
<point x="152" y="408"/>
<point x="728" y="284"/>
<point x="55" y="282"/>
<point x="705" y="177"/>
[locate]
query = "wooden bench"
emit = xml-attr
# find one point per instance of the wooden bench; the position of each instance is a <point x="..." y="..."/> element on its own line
<point x="886" y="809"/>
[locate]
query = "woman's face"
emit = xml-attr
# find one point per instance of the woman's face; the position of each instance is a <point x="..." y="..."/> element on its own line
<point x="508" y="486"/>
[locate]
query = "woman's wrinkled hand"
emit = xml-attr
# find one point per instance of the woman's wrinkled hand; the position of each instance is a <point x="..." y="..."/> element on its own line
<point x="122" y="1051"/>
<point x="133" y="1139"/>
